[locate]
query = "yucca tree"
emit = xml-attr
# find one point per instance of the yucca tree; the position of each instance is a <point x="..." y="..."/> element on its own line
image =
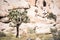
<point x="18" y="18"/>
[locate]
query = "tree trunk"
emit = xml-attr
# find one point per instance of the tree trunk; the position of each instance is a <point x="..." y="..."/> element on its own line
<point x="17" y="30"/>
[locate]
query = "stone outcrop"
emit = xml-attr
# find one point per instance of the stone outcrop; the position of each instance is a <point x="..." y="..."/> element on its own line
<point x="6" y="19"/>
<point x="6" y="5"/>
<point x="35" y="11"/>
<point x="31" y="2"/>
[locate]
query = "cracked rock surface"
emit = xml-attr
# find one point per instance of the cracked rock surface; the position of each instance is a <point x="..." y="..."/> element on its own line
<point x="37" y="14"/>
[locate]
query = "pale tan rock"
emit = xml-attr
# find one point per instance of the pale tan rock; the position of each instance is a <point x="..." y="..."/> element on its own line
<point x="6" y="19"/>
<point x="3" y="12"/>
<point x="58" y="20"/>
<point x="11" y="4"/>
<point x="43" y="28"/>
<point x="57" y="3"/>
<point x="31" y="2"/>
<point x="58" y="26"/>
<point x="3" y="25"/>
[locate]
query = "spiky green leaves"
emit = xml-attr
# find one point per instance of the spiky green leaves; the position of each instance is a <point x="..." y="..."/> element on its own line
<point x="17" y="17"/>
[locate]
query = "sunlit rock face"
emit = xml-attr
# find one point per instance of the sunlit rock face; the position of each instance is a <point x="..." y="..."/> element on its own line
<point x="36" y="13"/>
<point x="31" y="2"/>
<point x="57" y="2"/>
<point x="5" y="5"/>
<point x="56" y="10"/>
<point x="36" y="17"/>
<point x="6" y="19"/>
<point x="43" y="28"/>
<point x="4" y="27"/>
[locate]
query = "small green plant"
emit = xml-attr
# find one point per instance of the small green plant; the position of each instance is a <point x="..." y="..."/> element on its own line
<point x="31" y="31"/>
<point x="2" y="34"/>
<point x="51" y="16"/>
<point x="18" y="18"/>
<point x="54" y="33"/>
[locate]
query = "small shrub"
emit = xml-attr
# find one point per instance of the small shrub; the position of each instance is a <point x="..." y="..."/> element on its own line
<point x="53" y="29"/>
<point x="31" y="31"/>
<point x="2" y="34"/>
<point x="54" y="33"/>
<point x="51" y="16"/>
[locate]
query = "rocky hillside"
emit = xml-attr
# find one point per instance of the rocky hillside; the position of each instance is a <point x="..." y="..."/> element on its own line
<point x="37" y="10"/>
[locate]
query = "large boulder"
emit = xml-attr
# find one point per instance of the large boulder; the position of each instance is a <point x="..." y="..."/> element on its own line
<point x="39" y="28"/>
<point x="3" y="26"/>
<point x="31" y="2"/>
<point x="5" y="20"/>
<point x="6" y="5"/>
<point x="18" y="3"/>
<point x="6" y="29"/>
<point x="43" y="28"/>
<point x="35" y="17"/>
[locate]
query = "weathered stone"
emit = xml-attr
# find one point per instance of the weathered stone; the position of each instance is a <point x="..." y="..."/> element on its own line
<point x="6" y="5"/>
<point x="58" y="26"/>
<point x="43" y="28"/>
<point x="31" y="2"/>
<point x="35" y="14"/>
<point x="3" y="26"/>
<point x="5" y="20"/>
